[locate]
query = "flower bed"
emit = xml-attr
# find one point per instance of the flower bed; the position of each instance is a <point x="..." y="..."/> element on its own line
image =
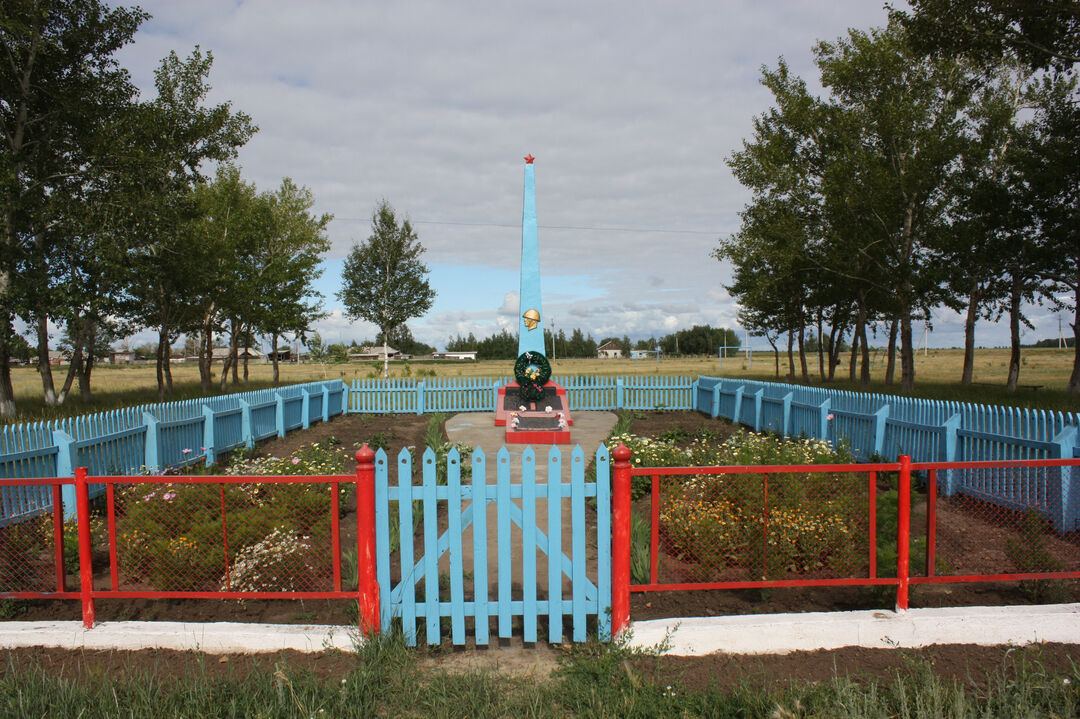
<point x="274" y="537"/>
<point x="793" y="523"/>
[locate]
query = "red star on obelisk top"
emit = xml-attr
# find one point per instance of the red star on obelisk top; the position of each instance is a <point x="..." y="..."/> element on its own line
<point x="529" y="159"/>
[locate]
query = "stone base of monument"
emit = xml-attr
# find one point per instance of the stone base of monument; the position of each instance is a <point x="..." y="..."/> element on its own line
<point x="545" y="421"/>
<point x="537" y="428"/>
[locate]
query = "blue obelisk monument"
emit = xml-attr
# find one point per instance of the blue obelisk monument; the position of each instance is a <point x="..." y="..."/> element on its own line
<point x="533" y="408"/>
<point x="530" y="317"/>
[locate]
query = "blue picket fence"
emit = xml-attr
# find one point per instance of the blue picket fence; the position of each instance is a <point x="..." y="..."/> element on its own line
<point x="465" y="505"/>
<point x="152" y="438"/>
<point x="479" y="394"/>
<point x="876" y="425"/>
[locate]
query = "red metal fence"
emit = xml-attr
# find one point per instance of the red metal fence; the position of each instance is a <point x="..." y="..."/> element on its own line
<point x="968" y="539"/>
<point x="696" y="528"/>
<point x="198" y="537"/>
<point x="687" y="528"/>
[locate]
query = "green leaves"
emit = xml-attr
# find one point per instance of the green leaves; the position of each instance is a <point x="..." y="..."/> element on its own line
<point x="385" y="281"/>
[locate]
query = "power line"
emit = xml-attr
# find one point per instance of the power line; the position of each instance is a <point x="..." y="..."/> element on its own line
<point x="547" y="227"/>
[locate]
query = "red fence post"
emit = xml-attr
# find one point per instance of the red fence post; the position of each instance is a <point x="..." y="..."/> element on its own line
<point x="620" y="541"/>
<point x="368" y="589"/>
<point x="903" y="533"/>
<point x="931" y="523"/>
<point x="86" y="571"/>
<point x="58" y="538"/>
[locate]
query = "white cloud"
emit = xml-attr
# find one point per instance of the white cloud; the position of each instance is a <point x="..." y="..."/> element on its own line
<point x="629" y="107"/>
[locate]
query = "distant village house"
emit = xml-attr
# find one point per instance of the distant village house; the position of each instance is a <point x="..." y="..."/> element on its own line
<point x="376" y="353"/>
<point x="609" y="350"/>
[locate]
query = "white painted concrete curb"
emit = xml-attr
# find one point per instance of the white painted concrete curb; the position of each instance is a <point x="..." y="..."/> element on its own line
<point x="784" y="633"/>
<point x="212" y="637"/>
<point x="695" y="636"/>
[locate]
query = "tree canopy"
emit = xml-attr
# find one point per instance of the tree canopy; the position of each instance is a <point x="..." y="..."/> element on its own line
<point x="108" y="222"/>
<point x="385" y="282"/>
<point x="919" y="179"/>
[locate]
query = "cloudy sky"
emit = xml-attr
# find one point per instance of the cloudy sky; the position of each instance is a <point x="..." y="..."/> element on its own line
<point x="629" y="107"/>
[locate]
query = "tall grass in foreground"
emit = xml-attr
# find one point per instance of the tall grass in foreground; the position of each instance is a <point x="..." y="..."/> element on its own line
<point x="592" y="681"/>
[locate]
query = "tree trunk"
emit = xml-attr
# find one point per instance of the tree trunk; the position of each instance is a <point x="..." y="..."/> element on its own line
<point x="89" y="340"/>
<point x="226" y="364"/>
<point x="162" y="339"/>
<point x="967" y="375"/>
<point x="166" y="355"/>
<point x="44" y="368"/>
<point x="247" y="346"/>
<point x="1074" y="380"/>
<point x="820" y="348"/>
<point x="234" y="351"/>
<point x="7" y="389"/>
<point x="906" y="302"/>
<point x="74" y="368"/>
<point x="230" y="359"/>
<point x="776" y="354"/>
<point x="907" y="353"/>
<point x="385" y="356"/>
<point x="790" y="355"/>
<point x="1014" y="334"/>
<point x="84" y="377"/>
<point x="854" y="353"/>
<point x="274" y="356"/>
<point x="864" y="375"/>
<point x="836" y="333"/>
<point x="804" y="372"/>
<point x="890" y="361"/>
<point x="206" y="350"/>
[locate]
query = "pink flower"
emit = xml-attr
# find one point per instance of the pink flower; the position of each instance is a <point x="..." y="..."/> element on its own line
<point x="294" y="460"/>
<point x="185" y="450"/>
<point x="830" y="417"/>
<point x="169" y="496"/>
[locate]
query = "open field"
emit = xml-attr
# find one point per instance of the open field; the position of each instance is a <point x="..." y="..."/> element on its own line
<point x="936" y="375"/>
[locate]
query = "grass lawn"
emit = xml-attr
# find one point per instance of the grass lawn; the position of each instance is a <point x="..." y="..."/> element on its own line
<point x="386" y="679"/>
<point x="936" y="372"/>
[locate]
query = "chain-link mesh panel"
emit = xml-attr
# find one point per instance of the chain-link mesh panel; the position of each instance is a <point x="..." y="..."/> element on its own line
<point x="28" y="555"/>
<point x="749" y="527"/>
<point x="993" y="521"/>
<point x="225" y="537"/>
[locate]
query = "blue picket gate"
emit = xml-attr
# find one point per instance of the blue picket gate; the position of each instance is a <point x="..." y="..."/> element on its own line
<point x="518" y="591"/>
